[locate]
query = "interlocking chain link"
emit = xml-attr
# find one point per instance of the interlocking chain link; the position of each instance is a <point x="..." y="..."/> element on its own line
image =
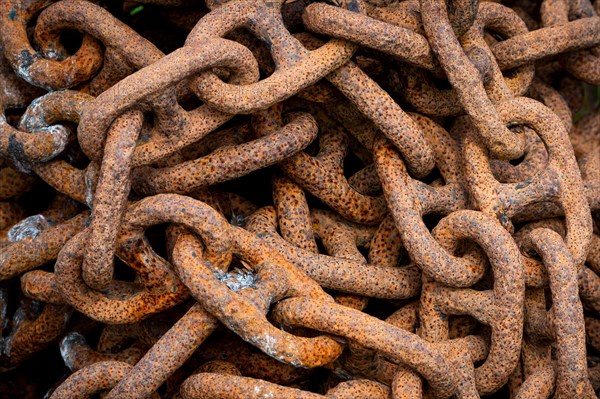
<point x="272" y="199"/>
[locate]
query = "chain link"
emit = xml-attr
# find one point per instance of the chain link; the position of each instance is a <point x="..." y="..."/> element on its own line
<point x="261" y="199"/>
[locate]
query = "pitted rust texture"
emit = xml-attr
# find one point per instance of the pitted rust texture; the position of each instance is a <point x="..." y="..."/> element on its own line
<point x="272" y="199"/>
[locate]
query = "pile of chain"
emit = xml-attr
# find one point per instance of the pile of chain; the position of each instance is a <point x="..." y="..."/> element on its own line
<point x="267" y="199"/>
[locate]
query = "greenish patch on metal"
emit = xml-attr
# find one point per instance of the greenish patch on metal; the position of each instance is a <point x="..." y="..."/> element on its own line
<point x="136" y="10"/>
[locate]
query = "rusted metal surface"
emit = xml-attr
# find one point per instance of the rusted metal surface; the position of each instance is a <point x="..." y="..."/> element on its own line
<point x="271" y="199"/>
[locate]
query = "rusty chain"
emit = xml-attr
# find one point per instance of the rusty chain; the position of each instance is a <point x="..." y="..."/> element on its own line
<point x="276" y="199"/>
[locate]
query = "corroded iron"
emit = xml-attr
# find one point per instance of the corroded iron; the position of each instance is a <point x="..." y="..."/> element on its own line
<point x="273" y="199"/>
